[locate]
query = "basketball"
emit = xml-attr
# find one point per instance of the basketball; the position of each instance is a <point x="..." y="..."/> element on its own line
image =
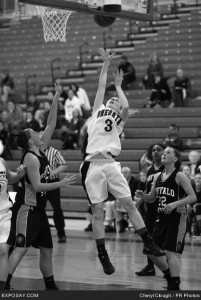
<point x="104" y="21"/>
<point x="112" y="6"/>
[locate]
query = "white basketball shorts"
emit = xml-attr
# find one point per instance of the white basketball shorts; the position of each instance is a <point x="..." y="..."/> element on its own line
<point x="5" y="224"/>
<point x="99" y="178"/>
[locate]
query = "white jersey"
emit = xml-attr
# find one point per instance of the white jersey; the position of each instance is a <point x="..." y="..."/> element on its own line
<point x="5" y="204"/>
<point x="70" y="106"/>
<point x="104" y="129"/>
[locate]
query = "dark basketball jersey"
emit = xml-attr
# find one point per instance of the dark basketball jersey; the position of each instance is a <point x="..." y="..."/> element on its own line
<point x="30" y="197"/>
<point x="150" y="176"/>
<point x="151" y="208"/>
<point x="169" y="191"/>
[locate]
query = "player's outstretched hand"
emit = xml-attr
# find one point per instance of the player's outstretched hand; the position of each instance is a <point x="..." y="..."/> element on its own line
<point x="58" y="88"/>
<point x="139" y="193"/>
<point x="132" y="112"/>
<point x="68" y="180"/>
<point x="118" y="77"/>
<point x="106" y="56"/>
<point x="21" y="170"/>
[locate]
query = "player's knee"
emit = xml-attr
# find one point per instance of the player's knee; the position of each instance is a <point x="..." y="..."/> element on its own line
<point x="3" y="250"/>
<point x="129" y="205"/>
<point x="98" y="214"/>
<point x="45" y="253"/>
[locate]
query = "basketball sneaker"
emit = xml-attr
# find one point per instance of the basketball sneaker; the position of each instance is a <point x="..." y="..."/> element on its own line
<point x="52" y="288"/>
<point x="8" y="287"/>
<point x="105" y="261"/>
<point x="146" y="271"/>
<point x="152" y="249"/>
<point x="173" y="285"/>
<point x="89" y="227"/>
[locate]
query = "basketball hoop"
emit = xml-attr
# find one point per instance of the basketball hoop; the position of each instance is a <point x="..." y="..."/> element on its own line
<point x="54" y="23"/>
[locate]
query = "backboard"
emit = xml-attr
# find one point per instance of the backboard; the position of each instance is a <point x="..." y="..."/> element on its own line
<point x="141" y="10"/>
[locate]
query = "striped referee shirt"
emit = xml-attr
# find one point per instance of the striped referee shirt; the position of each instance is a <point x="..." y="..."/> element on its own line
<point x="55" y="159"/>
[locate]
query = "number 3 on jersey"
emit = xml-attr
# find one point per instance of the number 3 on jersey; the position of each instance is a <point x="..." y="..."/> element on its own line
<point x="108" y="122"/>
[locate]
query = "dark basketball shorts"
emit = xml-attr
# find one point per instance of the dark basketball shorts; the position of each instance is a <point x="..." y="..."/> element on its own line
<point x="151" y="216"/>
<point x="170" y="235"/>
<point x="31" y="228"/>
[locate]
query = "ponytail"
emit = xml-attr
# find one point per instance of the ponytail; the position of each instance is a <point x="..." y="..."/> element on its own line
<point x="22" y="139"/>
<point x="178" y="162"/>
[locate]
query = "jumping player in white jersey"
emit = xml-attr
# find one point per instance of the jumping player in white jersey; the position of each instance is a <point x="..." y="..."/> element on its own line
<point x="100" y="172"/>
<point x="5" y="216"/>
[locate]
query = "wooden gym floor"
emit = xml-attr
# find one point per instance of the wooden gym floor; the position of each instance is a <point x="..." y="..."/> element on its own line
<point x="76" y="266"/>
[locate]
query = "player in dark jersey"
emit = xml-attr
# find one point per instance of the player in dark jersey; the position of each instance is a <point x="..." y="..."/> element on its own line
<point x="100" y="172"/>
<point x="173" y="191"/>
<point x="32" y="227"/>
<point x="151" y="208"/>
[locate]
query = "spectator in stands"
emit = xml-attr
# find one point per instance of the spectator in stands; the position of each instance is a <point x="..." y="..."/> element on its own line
<point x="173" y="138"/>
<point x="194" y="162"/>
<point x="5" y="118"/>
<point x="5" y="149"/>
<point x="31" y="122"/>
<point x="190" y="213"/>
<point x="129" y="76"/>
<point x="186" y="170"/>
<point x="32" y="104"/>
<point x="71" y="103"/>
<point x="7" y="86"/>
<point x="161" y="94"/>
<point x="15" y="115"/>
<point x="3" y="133"/>
<point x="129" y="72"/>
<point x="70" y="133"/>
<point x="146" y="159"/>
<point x="84" y="100"/>
<point x="181" y="89"/>
<point x="154" y="67"/>
<point x="42" y="113"/>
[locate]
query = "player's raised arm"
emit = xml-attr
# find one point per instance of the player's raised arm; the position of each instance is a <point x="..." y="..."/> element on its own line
<point x="103" y="78"/>
<point x="118" y="77"/>
<point x="52" y="118"/>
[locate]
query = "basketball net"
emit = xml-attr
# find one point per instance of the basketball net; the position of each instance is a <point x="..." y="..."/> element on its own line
<point x="54" y="23"/>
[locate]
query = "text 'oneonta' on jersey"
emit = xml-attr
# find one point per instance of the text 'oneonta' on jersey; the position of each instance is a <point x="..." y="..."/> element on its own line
<point x="104" y="129"/>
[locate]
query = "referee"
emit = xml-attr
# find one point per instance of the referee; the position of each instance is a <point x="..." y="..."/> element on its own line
<point x="57" y="165"/>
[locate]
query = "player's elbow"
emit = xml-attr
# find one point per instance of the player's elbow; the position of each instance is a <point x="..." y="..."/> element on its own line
<point x="193" y="199"/>
<point x="37" y="187"/>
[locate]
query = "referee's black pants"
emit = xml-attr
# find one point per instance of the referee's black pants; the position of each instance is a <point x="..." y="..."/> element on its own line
<point x="58" y="217"/>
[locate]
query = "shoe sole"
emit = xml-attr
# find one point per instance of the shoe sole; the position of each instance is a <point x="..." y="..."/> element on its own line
<point x="109" y="273"/>
<point x="148" y="274"/>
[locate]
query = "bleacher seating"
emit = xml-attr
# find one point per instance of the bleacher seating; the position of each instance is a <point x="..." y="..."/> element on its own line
<point x="24" y="52"/>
